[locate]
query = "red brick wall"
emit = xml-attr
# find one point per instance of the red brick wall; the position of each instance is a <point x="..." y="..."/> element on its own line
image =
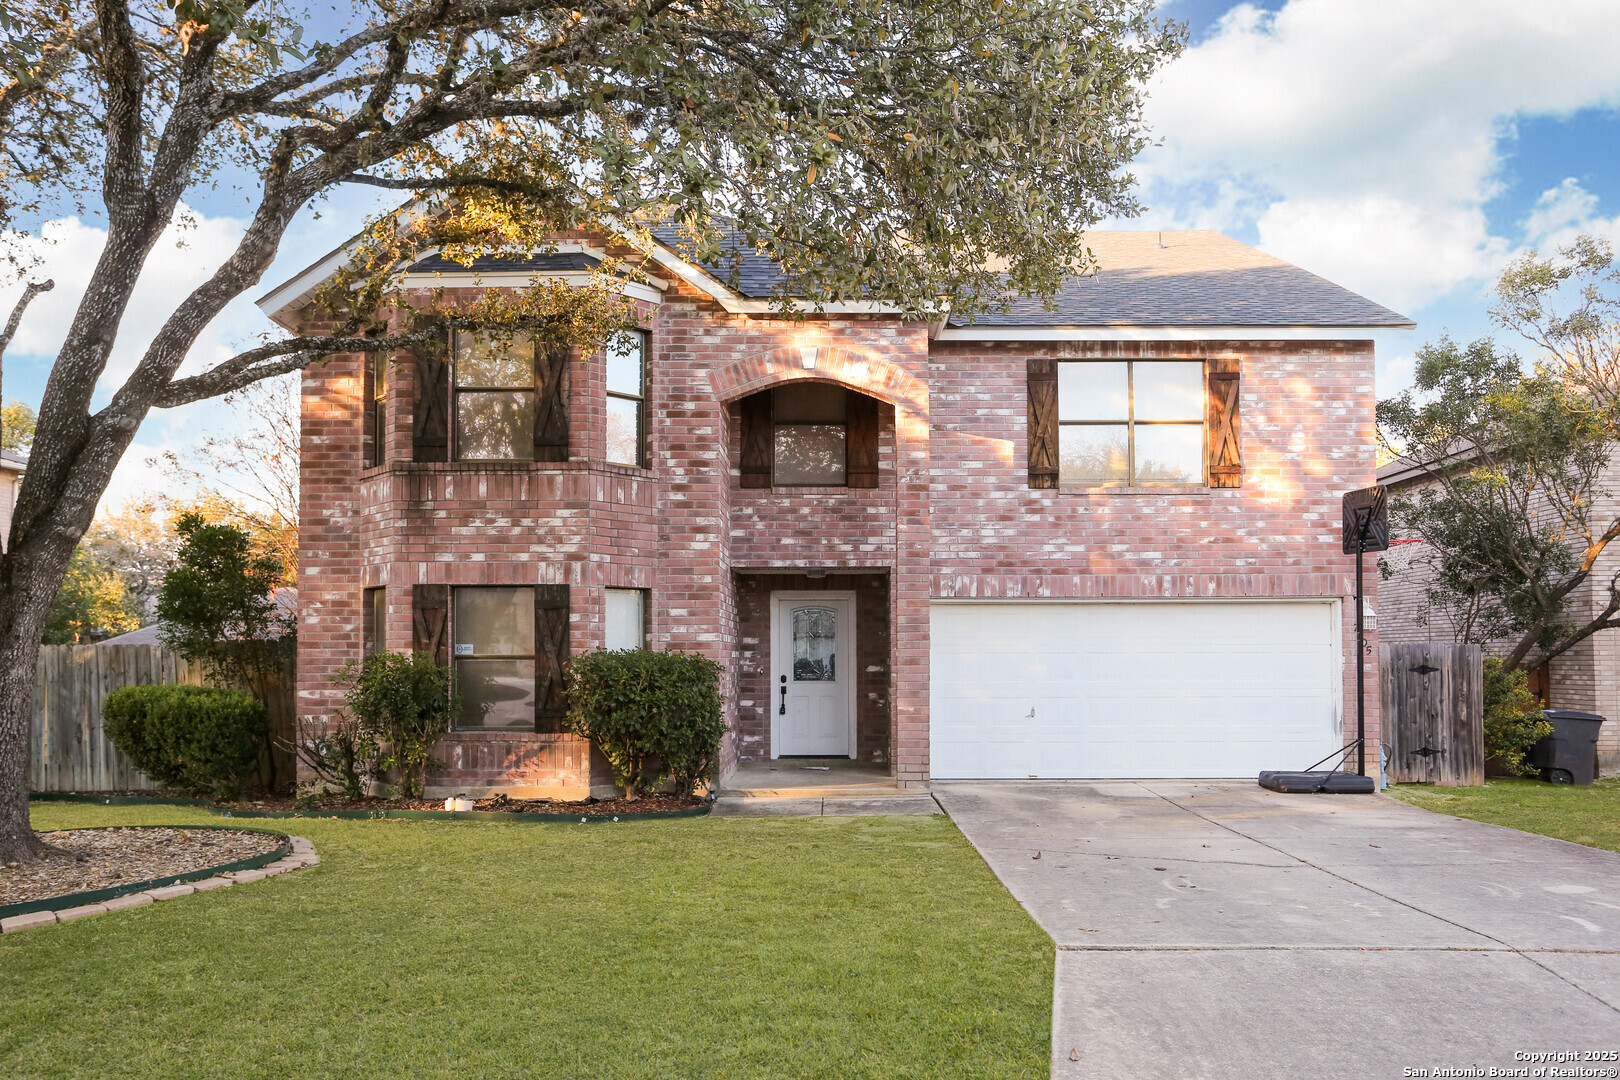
<point x="952" y="515"/>
<point x="1307" y="436"/>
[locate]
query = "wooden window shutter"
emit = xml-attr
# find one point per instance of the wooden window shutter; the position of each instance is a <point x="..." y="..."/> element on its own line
<point x="861" y="433"/>
<point x="430" y="428"/>
<point x="551" y="402"/>
<point x="550" y="654"/>
<point x="1043" y="424"/>
<point x="430" y="621"/>
<point x="758" y="439"/>
<point x="1222" y="435"/>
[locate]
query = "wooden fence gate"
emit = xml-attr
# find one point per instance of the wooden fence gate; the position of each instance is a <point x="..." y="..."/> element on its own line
<point x="68" y="749"/>
<point x="1433" y="707"/>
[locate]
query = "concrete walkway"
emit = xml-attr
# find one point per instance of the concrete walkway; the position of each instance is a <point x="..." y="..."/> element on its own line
<point x="1215" y="929"/>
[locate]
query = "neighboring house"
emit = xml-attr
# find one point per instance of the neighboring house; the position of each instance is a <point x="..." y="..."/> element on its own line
<point x="11" y="470"/>
<point x="1095" y="541"/>
<point x="1587" y="677"/>
<point x="284" y="599"/>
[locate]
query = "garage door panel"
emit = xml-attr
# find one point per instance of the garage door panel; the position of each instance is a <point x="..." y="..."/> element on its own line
<point x="1132" y="689"/>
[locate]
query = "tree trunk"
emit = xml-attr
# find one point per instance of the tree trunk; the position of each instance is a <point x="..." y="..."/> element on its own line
<point x="22" y="620"/>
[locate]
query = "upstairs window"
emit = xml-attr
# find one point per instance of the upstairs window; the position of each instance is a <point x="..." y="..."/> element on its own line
<point x="378" y="407"/>
<point x="810" y="439"/>
<point x="494" y="396"/>
<point x="809" y="434"/>
<point x="1131" y="423"/>
<point x="626" y="398"/>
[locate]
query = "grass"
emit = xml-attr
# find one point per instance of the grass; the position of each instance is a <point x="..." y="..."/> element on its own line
<point x="1583" y="815"/>
<point x="710" y="947"/>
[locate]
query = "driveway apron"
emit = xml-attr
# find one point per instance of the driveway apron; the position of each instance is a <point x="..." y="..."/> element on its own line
<point x="1216" y="929"/>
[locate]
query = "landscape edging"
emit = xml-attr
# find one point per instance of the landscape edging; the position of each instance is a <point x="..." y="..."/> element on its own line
<point x="98" y="896"/>
<point x="376" y="815"/>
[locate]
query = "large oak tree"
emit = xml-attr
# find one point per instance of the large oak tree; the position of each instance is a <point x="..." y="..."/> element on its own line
<point x="928" y="152"/>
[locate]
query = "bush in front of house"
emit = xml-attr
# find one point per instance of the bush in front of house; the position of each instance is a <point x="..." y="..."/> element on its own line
<point x="654" y="715"/>
<point x="402" y="706"/>
<point x="188" y="736"/>
<point x="1513" y="720"/>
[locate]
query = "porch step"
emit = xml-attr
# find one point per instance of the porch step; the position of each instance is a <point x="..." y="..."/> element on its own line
<point x="835" y="806"/>
<point x="874" y="790"/>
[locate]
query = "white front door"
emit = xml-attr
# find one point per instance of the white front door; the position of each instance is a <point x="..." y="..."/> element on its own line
<point x="813" y="674"/>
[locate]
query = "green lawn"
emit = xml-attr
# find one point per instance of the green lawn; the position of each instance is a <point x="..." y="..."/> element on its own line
<point x="710" y="947"/>
<point x="1584" y="815"/>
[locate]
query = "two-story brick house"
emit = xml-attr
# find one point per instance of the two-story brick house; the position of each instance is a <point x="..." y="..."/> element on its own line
<point x="1094" y="541"/>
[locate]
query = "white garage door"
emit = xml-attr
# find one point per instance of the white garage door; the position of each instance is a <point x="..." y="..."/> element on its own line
<point x="1213" y="689"/>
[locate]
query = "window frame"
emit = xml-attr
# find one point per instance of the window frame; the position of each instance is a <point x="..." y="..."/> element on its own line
<point x="644" y="596"/>
<point x="777" y="425"/>
<point x="1131" y="423"/>
<point x="373" y="621"/>
<point x="453" y="412"/>
<point x="640" y="400"/>
<point x="451" y="633"/>
<point x="377" y="377"/>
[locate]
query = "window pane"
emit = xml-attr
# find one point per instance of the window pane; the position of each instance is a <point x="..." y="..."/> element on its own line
<point x="1093" y="392"/>
<point x="623" y="431"/>
<point x="494" y="425"/>
<point x="1169" y="453"/>
<point x="375" y="623"/>
<point x="809" y="454"/>
<point x="494" y="621"/>
<point x="1093" y="454"/>
<point x="809" y="403"/>
<point x="379" y="375"/>
<point x="815" y="644"/>
<point x="496" y="694"/>
<point x="624" y="365"/>
<point x="624" y="619"/>
<point x="1169" y="391"/>
<point x="484" y="359"/>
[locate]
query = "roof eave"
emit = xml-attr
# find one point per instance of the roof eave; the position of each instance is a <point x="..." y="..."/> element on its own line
<point x="1167" y="332"/>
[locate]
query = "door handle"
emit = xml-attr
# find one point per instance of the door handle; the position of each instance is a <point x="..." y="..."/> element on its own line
<point x="783" y="710"/>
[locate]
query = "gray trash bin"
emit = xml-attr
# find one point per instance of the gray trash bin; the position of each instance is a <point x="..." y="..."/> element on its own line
<point x="1569" y="754"/>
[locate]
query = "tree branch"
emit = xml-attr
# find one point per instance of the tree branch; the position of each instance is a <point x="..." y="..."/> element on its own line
<point x="447" y="183"/>
<point x="268" y="361"/>
<point x="34" y="289"/>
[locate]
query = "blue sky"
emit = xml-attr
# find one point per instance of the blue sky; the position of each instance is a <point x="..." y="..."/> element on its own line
<point x="1406" y="149"/>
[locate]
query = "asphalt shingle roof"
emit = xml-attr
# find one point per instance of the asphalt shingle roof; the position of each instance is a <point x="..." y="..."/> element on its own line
<point x="1193" y="278"/>
<point x="1145" y="278"/>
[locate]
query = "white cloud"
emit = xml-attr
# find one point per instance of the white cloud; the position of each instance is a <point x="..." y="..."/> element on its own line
<point x="1363" y="140"/>
<point x="1564" y="212"/>
<point x="183" y="257"/>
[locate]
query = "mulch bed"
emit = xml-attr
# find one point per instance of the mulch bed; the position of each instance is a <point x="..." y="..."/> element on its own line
<point x="647" y="804"/>
<point x="80" y="860"/>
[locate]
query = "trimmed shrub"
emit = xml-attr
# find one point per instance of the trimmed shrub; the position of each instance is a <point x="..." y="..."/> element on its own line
<point x="1513" y="720"/>
<point x="188" y="736"/>
<point x="403" y="706"/>
<point x="653" y="715"/>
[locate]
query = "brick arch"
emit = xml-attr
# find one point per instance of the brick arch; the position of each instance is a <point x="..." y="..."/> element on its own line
<point x="854" y="368"/>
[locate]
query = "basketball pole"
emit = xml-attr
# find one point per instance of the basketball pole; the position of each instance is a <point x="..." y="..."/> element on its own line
<point x="1361" y="654"/>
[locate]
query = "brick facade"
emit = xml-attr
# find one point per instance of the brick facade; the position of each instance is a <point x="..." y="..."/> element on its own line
<point x="952" y="514"/>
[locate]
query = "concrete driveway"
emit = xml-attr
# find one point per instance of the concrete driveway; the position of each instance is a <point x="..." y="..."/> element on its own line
<point x="1215" y="929"/>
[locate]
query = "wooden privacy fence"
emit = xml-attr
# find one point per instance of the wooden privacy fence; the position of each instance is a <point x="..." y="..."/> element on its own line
<point x="1433" y="705"/>
<point x="68" y="748"/>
